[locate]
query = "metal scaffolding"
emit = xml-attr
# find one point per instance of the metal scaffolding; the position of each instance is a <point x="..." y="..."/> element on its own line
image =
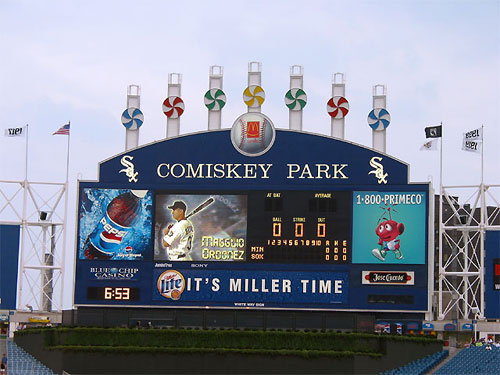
<point x="42" y="244"/>
<point x="463" y="223"/>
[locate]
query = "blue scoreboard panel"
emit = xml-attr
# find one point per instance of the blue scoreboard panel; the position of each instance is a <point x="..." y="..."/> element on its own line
<point x="313" y="223"/>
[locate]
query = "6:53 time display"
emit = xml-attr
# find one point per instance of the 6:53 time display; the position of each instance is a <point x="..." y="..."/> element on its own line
<point x="109" y="293"/>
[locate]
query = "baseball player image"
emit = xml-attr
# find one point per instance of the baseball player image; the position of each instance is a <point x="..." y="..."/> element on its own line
<point x="178" y="237"/>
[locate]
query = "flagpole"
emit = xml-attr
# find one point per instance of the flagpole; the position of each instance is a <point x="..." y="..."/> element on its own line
<point x="441" y="160"/>
<point x="66" y="188"/>
<point x="67" y="155"/>
<point x="482" y="154"/>
<point x="484" y="220"/>
<point x="26" y="156"/>
<point x="440" y="231"/>
<point x="24" y="227"/>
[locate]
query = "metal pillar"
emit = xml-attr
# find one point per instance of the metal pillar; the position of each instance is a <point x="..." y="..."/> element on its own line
<point x="215" y="81"/>
<point x="379" y="101"/>
<point x="174" y="89"/>
<point x="296" y="82"/>
<point x="254" y="78"/>
<point x="338" y="89"/>
<point x="133" y="101"/>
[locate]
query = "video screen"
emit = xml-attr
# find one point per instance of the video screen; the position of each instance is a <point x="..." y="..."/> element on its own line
<point x="197" y="227"/>
<point x="115" y="224"/>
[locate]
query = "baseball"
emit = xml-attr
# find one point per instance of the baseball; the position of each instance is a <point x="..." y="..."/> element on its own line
<point x="252" y="134"/>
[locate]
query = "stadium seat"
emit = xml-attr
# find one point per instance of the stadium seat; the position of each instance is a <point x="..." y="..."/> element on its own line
<point x="22" y="363"/>
<point x="419" y="366"/>
<point x="473" y="360"/>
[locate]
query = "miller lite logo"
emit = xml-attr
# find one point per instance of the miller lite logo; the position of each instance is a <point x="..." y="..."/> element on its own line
<point x="171" y="284"/>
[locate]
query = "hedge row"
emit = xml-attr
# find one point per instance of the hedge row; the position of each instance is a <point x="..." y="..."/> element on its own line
<point x="182" y="339"/>
<point x="223" y="351"/>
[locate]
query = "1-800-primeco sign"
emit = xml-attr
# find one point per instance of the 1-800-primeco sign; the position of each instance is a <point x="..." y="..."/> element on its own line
<point x="293" y="220"/>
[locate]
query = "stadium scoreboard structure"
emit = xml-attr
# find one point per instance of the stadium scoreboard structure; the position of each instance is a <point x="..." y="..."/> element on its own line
<point x="308" y="222"/>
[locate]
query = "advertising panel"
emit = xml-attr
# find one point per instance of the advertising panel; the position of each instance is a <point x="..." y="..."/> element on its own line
<point x="115" y="224"/>
<point x="259" y="288"/>
<point x="389" y="227"/>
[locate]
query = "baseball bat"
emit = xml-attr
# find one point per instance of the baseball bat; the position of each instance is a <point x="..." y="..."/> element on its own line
<point x="202" y="206"/>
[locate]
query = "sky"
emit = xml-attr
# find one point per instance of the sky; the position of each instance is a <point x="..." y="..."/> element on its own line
<point x="73" y="61"/>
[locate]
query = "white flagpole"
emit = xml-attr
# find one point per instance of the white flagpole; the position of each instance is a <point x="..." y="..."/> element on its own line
<point x="26" y="156"/>
<point x="24" y="227"/>
<point x="66" y="188"/>
<point x="440" y="232"/>
<point x="67" y="153"/>
<point x="484" y="220"/>
<point x="482" y="154"/>
<point x="441" y="160"/>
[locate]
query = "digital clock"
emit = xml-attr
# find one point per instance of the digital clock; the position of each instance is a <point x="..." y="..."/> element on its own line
<point x="114" y="293"/>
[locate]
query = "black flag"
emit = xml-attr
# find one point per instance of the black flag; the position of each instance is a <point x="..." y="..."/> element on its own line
<point x="434" y="131"/>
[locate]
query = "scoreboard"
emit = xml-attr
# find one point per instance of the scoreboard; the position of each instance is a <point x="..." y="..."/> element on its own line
<point x="300" y="227"/>
<point x="294" y="228"/>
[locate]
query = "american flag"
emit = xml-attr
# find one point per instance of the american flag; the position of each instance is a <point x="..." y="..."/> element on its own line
<point x="64" y="130"/>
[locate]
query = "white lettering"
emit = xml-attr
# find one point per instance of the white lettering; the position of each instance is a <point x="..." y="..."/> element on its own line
<point x="160" y="166"/>
<point x="265" y="170"/>
<point x="292" y="168"/>
<point x="250" y="171"/>
<point x="235" y="285"/>
<point x="192" y="173"/>
<point x="172" y="170"/>
<point x="215" y="285"/>
<point x="325" y="286"/>
<point x="306" y="171"/>
<point x="323" y="169"/>
<point x="338" y="286"/>
<point x="304" y="285"/>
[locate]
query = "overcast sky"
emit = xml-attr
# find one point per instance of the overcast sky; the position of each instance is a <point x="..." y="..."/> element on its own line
<point x="73" y="60"/>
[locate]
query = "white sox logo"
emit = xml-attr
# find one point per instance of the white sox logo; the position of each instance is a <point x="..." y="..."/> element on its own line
<point x="130" y="168"/>
<point x="378" y="170"/>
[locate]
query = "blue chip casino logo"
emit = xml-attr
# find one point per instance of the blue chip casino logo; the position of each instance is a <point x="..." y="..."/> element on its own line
<point x="114" y="273"/>
<point x="171" y="284"/>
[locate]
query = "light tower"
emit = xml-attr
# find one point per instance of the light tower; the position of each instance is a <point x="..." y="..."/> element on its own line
<point x="254" y="95"/>
<point x="173" y="106"/>
<point x="214" y="98"/>
<point x="379" y="118"/>
<point x="132" y="117"/>
<point x="296" y="98"/>
<point x="338" y="106"/>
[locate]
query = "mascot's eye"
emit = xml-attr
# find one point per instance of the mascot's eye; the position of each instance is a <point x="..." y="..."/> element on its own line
<point x="381" y="228"/>
<point x="388" y="227"/>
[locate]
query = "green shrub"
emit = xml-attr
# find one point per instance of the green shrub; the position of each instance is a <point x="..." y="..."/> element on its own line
<point x="271" y="341"/>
